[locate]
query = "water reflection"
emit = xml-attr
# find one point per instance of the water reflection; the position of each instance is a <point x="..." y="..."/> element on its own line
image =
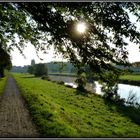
<point x="124" y="90"/>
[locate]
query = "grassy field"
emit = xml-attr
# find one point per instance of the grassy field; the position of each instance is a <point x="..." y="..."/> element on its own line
<point x="130" y="77"/>
<point x="64" y="74"/>
<point x="2" y="84"/>
<point x="59" y="111"/>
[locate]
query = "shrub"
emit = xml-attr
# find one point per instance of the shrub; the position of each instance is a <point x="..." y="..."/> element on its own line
<point x="45" y="77"/>
<point x="69" y="86"/>
<point x="81" y="81"/>
<point x="40" y="69"/>
<point x="61" y="82"/>
<point x="132" y="99"/>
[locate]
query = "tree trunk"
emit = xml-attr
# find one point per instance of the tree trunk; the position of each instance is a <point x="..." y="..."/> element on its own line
<point x="1" y="72"/>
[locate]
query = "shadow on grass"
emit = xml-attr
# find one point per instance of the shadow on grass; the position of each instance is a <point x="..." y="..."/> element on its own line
<point x="128" y="111"/>
<point x="83" y="93"/>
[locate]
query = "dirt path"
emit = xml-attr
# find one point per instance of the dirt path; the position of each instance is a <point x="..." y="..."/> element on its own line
<point x="15" y="120"/>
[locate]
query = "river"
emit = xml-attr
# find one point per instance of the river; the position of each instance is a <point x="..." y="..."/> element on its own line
<point x="123" y="89"/>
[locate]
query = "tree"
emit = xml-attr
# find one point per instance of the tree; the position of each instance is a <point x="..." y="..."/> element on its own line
<point x="81" y="80"/>
<point x="17" y="28"/>
<point x="32" y="62"/>
<point x="40" y="70"/>
<point x="20" y="69"/>
<point x="93" y="47"/>
<point x="5" y="63"/>
<point x="31" y="67"/>
<point x="15" y="31"/>
<point x="61" y="66"/>
<point x="108" y="23"/>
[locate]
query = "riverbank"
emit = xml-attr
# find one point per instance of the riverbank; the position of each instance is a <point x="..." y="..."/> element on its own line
<point x="133" y="79"/>
<point x="130" y="79"/>
<point x="124" y="79"/>
<point x="60" y="111"/>
<point x="63" y="74"/>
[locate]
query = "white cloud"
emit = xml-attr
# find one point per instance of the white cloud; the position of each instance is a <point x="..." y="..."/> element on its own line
<point x="30" y="53"/>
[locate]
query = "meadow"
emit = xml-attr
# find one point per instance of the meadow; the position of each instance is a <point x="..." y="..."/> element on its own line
<point x="131" y="77"/>
<point x="64" y="74"/>
<point x="59" y="111"/>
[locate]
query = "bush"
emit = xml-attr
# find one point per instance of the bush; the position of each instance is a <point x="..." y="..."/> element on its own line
<point x="132" y="99"/>
<point x="40" y="69"/>
<point x="44" y="77"/>
<point x="81" y="81"/>
<point x="61" y="82"/>
<point x="69" y="86"/>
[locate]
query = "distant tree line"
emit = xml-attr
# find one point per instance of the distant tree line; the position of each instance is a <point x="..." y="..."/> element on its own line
<point x="67" y="67"/>
<point x="133" y="68"/>
<point x="52" y="67"/>
<point x="61" y="67"/>
<point x="20" y="69"/>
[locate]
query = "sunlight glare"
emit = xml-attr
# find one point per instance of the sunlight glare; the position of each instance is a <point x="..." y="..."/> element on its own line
<point x="81" y="27"/>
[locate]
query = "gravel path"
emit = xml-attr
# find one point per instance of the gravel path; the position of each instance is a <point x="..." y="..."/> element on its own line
<point x="15" y="120"/>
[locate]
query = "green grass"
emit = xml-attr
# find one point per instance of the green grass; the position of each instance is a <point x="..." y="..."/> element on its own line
<point x="2" y="84"/>
<point x="64" y="74"/>
<point x="131" y="77"/>
<point x="59" y="111"/>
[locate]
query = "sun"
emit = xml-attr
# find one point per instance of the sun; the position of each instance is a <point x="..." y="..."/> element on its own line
<point x="81" y="27"/>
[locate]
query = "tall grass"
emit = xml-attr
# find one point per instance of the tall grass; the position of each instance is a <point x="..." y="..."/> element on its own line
<point x="60" y="111"/>
<point x="2" y="84"/>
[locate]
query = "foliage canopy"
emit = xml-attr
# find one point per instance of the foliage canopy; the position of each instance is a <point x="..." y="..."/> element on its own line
<point x="102" y="46"/>
<point x="108" y="25"/>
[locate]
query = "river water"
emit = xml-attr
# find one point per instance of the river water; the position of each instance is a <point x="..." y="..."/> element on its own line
<point x="123" y="89"/>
